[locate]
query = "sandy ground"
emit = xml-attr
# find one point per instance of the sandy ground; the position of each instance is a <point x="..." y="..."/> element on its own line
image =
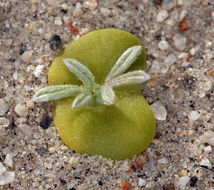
<point x="179" y="38"/>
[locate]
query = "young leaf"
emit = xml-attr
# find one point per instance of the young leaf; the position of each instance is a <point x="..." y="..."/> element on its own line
<point x="56" y="92"/>
<point x="108" y="95"/>
<point x="81" y="71"/>
<point x="133" y="77"/>
<point x="82" y="100"/>
<point x="124" y="62"/>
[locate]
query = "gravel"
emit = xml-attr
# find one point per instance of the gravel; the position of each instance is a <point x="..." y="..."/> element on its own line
<point x="178" y="37"/>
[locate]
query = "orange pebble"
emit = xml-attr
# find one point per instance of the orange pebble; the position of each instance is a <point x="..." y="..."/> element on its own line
<point x="125" y="186"/>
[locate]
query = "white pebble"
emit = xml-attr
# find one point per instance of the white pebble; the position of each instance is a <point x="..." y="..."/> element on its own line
<point x="170" y="59"/>
<point x="161" y="16"/>
<point x="26" y="56"/>
<point x="170" y="22"/>
<point x="194" y="49"/>
<point x="4" y="107"/>
<point x="193" y="115"/>
<point x="58" y="21"/>
<point x="15" y="75"/>
<point x="159" y="111"/>
<point x="150" y="185"/>
<point x="2" y="168"/>
<point x="208" y="149"/>
<point x="9" y="160"/>
<point x="8" y="177"/>
<point x="26" y="130"/>
<point x="163" y="45"/>
<point x="183" y="55"/>
<point x="212" y="14"/>
<point x="51" y="149"/>
<point x="168" y="4"/>
<point x="163" y="161"/>
<point x="179" y="41"/>
<point x="207" y="85"/>
<point x="183" y="181"/>
<point x="30" y="104"/>
<point x="38" y="70"/>
<point x="4" y="122"/>
<point x="205" y="162"/>
<point x="182" y="15"/>
<point x="180" y="2"/>
<point x="155" y="68"/>
<point x="207" y="137"/>
<point x="21" y="110"/>
<point x="77" y="10"/>
<point x="141" y="182"/>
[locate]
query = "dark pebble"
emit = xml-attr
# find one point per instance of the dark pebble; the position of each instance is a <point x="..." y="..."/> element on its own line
<point x="72" y="188"/>
<point x="46" y="121"/>
<point x="193" y="181"/>
<point x="100" y="183"/>
<point x="22" y="49"/>
<point x="62" y="181"/>
<point x="41" y="150"/>
<point x="55" y="42"/>
<point x="157" y="2"/>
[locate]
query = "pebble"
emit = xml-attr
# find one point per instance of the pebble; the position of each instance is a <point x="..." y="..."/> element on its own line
<point x="183" y="55"/>
<point x="21" y="110"/>
<point x="58" y="21"/>
<point x="168" y="4"/>
<point x="55" y="42"/>
<point x="212" y="14"/>
<point x="46" y="121"/>
<point x="9" y="160"/>
<point x="207" y="85"/>
<point x="179" y="41"/>
<point x="30" y="104"/>
<point x="183" y="181"/>
<point x="8" y="177"/>
<point x="207" y="137"/>
<point x="205" y="163"/>
<point x="180" y="2"/>
<point x="4" y="122"/>
<point x="170" y="60"/>
<point x="194" y="49"/>
<point x="159" y="111"/>
<point x="26" y="56"/>
<point x="163" y="161"/>
<point x="91" y="4"/>
<point x="161" y="16"/>
<point x="77" y="10"/>
<point x="163" y="45"/>
<point x="26" y="130"/>
<point x="193" y="181"/>
<point x="51" y="149"/>
<point x="105" y="11"/>
<point x="155" y="68"/>
<point x="207" y="149"/>
<point x="38" y="70"/>
<point x="2" y="168"/>
<point x="170" y="22"/>
<point x="150" y="185"/>
<point x="4" y="107"/>
<point x="193" y="115"/>
<point x="141" y="182"/>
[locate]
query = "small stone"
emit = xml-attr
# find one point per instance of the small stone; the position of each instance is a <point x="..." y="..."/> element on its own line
<point x="150" y="185"/>
<point x="64" y="6"/>
<point x="170" y="60"/>
<point x="163" y="45"/>
<point x="77" y="10"/>
<point x="62" y="181"/>
<point x="190" y="132"/>
<point x="21" y="110"/>
<point x="180" y="2"/>
<point x="179" y="41"/>
<point x="125" y="186"/>
<point x="58" y="21"/>
<point x="194" y="49"/>
<point x="193" y="115"/>
<point x="183" y="182"/>
<point x="207" y="149"/>
<point x="159" y="111"/>
<point x="63" y="147"/>
<point x="26" y="130"/>
<point x="163" y="161"/>
<point x="141" y="182"/>
<point x="155" y="68"/>
<point x="2" y="169"/>
<point x="38" y="70"/>
<point x="15" y="75"/>
<point x="207" y="85"/>
<point x="205" y="163"/>
<point x="193" y="181"/>
<point x="46" y="121"/>
<point x="207" y="137"/>
<point x="161" y="16"/>
<point x="212" y="14"/>
<point x="4" y="107"/>
<point x="41" y="150"/>
<point x="4" y="122"/>
<point x="55" y="42"/>
<point x="170" y="22"/>
<point x="51" y="149"/>
<point x="9" y="160"/>
<point x="183" y="55"/>
<point x="30" y="104"/>
<point x="8" y="177"/>
<point x="105" y="11"/>
<point x="184" y="25"/>
<point x="183" y="172"/>
<point x="91" y="4"/>
<point x="168" y="4"/>
<point x="26" y="56"/>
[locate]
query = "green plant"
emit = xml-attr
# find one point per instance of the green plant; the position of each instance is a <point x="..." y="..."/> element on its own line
<point x="96" y="111"/>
